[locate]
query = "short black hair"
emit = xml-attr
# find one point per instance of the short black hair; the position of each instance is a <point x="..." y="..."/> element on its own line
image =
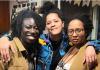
<point x="18" y="21"/>
<point x="87" y="22"/>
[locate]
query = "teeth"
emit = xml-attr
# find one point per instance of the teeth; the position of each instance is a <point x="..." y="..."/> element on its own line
<point x="30" y="37"/>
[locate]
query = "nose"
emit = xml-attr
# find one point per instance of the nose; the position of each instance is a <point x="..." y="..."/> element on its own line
<point x="32" y="30"/>
<point x="52" y="24"/>
<point x="74" y="34"/>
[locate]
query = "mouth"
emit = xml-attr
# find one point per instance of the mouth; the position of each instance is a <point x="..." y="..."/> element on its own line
<point x="53" y="29"/>
<point x="32" y="37"/>
<point x="75" y="40"/>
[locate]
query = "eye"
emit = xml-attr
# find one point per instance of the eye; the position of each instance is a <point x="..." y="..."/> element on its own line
<point x="35" y="27"/>
<point x="70" y="31"/>
<point x="56" y="21"/>
<point x="28" y="26"/>
<point x="78" y="30"/>
<point x="48" y="23"/>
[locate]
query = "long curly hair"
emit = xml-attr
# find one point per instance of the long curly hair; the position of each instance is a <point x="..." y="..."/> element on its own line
<point x="17" y="22"/>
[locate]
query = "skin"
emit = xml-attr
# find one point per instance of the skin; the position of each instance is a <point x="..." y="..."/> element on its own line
<point x="29" y="34"/>
<point x="54" y="25"/>
<point x="76" y="39"/>
<point x="80" y="39"/>
<point x="29" y="31"/>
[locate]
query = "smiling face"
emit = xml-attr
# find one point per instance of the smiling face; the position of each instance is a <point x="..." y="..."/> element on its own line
<point x="76" y="32"/>
<point x="54" y="24"/>
<point x="29" y="32"/>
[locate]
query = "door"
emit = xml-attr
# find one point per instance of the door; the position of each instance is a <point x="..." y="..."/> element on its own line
<point x="4" y="16"/>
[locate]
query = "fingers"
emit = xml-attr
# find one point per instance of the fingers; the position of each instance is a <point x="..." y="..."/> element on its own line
<point x="4" y="48"/>
<point x="90" y="59"/>
<point x="90" y="56"/>
<point x="87" y="60"/>
<point x="92" y="64"/>
<point x="5" y="54"/>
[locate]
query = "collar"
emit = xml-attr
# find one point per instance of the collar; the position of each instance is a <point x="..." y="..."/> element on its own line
<point x="18" y="44"/>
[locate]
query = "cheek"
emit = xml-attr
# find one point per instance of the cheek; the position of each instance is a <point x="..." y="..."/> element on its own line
<point x="60" y="26"/>
<point x="82" y="37"/>
<point x="23" y="32"/>
<point x="48" y="27"/>
<point x="70" y="38"/>
<point x="60" y="29"/>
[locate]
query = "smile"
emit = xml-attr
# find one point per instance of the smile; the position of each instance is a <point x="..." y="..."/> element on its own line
<point x="53" y="29"/>
<point x="30" y="37"/>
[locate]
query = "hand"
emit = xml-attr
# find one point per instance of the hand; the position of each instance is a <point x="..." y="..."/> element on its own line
<point x="90" y="56"/>
<point x="4" y="49"/>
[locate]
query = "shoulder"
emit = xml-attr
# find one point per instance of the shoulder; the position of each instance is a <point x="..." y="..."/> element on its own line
<point x="44" y="39"/>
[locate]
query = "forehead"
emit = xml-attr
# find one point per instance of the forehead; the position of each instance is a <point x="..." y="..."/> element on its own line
<point x="76" y="23"/>
<point x="52" y="16"/>
<point x="29" y="21"/>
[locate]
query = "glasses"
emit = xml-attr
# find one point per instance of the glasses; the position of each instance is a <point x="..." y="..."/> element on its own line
<point x="77" y="31"/>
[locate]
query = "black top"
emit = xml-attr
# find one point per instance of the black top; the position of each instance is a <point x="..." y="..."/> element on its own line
<point x="56" y="55"/>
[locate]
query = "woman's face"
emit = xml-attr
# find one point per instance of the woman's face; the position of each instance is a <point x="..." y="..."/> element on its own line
<point x="54" y="24"/>
<point x="76" y="32"/>
<point x="29" y="31"/>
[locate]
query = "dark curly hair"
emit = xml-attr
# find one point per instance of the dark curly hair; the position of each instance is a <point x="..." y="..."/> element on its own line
<point x="17" y="22"/>
<point x="88" y="26"/>
<point x="48" y="7"/>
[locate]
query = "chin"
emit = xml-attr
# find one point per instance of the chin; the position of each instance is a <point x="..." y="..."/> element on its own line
<point x="55" y="33"/>
<point x="29" y="41"/>
<point x="75" y="43"/>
